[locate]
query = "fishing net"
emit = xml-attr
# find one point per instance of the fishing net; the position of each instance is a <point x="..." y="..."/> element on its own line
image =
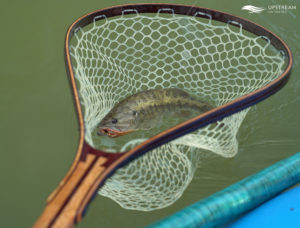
<point x="116" y="57"/>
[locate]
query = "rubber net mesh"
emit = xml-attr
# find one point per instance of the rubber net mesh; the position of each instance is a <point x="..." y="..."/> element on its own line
<point x="116" y="57"/>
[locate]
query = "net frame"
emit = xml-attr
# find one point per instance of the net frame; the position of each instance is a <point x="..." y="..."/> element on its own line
<point x="109" y="162"/>
<point x="202" y="120"/>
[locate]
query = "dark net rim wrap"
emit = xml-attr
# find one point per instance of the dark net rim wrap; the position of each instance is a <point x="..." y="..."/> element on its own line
<point x="203" y="119"/>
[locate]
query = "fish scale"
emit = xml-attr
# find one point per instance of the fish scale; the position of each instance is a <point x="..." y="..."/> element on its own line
<point x="142" y="111"/>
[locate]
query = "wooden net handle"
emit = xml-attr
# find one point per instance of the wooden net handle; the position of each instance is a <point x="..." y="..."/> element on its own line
<point x="66" y="207"/>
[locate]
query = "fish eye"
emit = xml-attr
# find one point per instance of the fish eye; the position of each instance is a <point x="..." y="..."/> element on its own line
<point x="134" y="113"/>
<point x="114" y="121"/>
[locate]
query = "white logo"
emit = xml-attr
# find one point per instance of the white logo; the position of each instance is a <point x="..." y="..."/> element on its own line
<point x="253" y="9"/>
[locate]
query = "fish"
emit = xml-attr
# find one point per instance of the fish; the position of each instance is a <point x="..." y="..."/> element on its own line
<point x="142" y="110"/>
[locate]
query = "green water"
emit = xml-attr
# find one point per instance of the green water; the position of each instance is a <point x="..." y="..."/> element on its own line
<point x="39" y="131"/>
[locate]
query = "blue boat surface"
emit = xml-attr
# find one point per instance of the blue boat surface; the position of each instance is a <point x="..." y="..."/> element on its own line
<point x="281" y="211"/>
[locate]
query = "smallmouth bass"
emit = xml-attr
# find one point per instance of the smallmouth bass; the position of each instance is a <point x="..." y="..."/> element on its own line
<point x="142" y="111"/>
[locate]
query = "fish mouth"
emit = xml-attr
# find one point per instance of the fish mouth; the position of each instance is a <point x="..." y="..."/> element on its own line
<point x="112" y="132"/>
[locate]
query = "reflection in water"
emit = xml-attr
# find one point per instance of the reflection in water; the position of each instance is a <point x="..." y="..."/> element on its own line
<point x="147" y="113"/>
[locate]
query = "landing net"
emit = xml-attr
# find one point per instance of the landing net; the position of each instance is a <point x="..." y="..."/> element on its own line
<point x="120" y="56"/>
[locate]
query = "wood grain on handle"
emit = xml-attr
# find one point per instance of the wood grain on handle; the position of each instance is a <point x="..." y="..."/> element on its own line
<point x="66" y="206"/>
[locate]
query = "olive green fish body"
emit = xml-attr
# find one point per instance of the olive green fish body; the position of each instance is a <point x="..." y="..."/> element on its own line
<point x="143" y="110"/>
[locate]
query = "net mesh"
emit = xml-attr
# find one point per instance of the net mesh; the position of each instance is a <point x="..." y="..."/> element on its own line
<point x="116" y="57"/>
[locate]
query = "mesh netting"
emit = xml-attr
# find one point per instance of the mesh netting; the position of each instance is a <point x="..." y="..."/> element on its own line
<point x="117" y="57"/>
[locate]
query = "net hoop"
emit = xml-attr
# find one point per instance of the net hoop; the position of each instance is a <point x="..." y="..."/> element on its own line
<point x="199" y="121"/>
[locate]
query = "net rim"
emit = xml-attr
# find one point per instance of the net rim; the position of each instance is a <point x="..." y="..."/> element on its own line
<point x="116" y="160"/>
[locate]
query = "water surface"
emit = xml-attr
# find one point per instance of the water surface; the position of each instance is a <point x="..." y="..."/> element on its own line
<point x="39" y="131"/>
